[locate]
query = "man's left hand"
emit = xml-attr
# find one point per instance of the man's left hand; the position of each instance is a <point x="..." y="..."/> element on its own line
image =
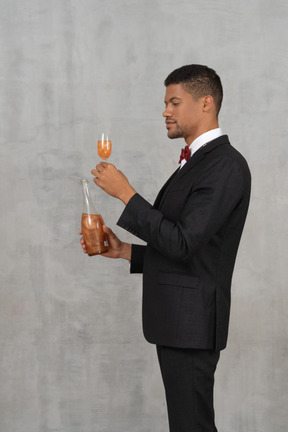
<point x="113" y="181"/>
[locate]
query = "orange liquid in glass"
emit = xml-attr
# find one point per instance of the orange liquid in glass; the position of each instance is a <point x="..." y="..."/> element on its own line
<point x="104" y="149"/>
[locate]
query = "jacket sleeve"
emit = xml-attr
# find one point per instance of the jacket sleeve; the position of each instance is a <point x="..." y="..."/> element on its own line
<point x="207" y="207"/>
<point x="137" y="258"/>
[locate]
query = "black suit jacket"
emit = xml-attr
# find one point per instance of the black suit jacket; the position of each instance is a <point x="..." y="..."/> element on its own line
<point x="192" y="232"/>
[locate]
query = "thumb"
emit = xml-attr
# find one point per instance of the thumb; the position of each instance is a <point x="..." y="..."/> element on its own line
<point x="108" y="231"/>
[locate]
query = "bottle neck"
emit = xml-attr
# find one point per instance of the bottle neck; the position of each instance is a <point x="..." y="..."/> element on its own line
<point x="88" y="206"/>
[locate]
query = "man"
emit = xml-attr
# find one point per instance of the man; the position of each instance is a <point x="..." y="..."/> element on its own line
<point x="192" y="232"/>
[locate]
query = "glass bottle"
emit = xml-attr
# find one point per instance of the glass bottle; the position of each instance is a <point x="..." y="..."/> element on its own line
<point x="96" y="240"/>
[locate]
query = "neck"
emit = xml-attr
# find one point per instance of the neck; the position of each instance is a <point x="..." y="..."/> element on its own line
<point x="201" y="131"/>
<point x="191" y="139"/>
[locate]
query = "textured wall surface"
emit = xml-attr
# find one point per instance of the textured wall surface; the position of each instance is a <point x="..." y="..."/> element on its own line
<point x="73" y="358"/>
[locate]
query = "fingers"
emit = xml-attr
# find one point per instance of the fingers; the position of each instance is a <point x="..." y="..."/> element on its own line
<point x="82" y="242"/>
<point x="83" y="246"/>
<point x="101" y="167"/>
<point x="99" y="173"/>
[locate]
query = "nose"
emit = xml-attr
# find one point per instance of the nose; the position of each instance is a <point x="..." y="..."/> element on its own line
<point x="166" y="113"/>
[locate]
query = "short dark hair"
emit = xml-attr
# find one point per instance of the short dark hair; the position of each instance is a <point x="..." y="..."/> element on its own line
<point x="199" y="81"/>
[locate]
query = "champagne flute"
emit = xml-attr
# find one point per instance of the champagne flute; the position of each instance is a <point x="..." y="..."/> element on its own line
<point x="104" y="147"/>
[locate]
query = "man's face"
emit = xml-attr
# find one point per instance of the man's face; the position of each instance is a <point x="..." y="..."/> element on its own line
<point x="183" y="114"/>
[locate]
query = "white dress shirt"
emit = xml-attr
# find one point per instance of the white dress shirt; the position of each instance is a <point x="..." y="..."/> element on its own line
<point x="201" y="141"/>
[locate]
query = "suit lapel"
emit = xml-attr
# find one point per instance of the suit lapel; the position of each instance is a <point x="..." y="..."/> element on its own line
<point x="164" y="187"/>
<point x="175" y="177"/>
<point x="194" y="160"/>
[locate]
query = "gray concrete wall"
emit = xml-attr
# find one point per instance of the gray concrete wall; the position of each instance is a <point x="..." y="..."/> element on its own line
<point x="73" y="358"/>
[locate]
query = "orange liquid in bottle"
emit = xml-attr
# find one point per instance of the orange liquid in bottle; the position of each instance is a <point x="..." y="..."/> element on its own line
<point x="104" y="149"/>
<point x="92" y="229"/>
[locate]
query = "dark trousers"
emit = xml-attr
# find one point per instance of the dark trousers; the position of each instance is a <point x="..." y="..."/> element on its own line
<point x="188" y="377"/>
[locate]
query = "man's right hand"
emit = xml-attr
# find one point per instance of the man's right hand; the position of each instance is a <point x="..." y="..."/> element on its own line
<point x="116" y="248"/>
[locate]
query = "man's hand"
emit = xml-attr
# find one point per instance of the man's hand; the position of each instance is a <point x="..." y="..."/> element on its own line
<point x="116" y="248"/>
<point x="113" y="182"/>
<point x="83" y="243"/>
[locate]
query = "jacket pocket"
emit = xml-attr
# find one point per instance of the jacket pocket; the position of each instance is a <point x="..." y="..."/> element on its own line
<point x="178" y="279"/>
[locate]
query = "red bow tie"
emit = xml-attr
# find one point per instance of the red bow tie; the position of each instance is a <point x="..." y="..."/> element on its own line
<point x="185" y="154"/>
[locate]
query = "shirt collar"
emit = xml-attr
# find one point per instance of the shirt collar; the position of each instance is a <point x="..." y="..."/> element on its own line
<point x="202" y="140"/>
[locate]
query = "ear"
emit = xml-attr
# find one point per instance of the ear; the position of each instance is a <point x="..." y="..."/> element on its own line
<point x="208" y="102"/>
